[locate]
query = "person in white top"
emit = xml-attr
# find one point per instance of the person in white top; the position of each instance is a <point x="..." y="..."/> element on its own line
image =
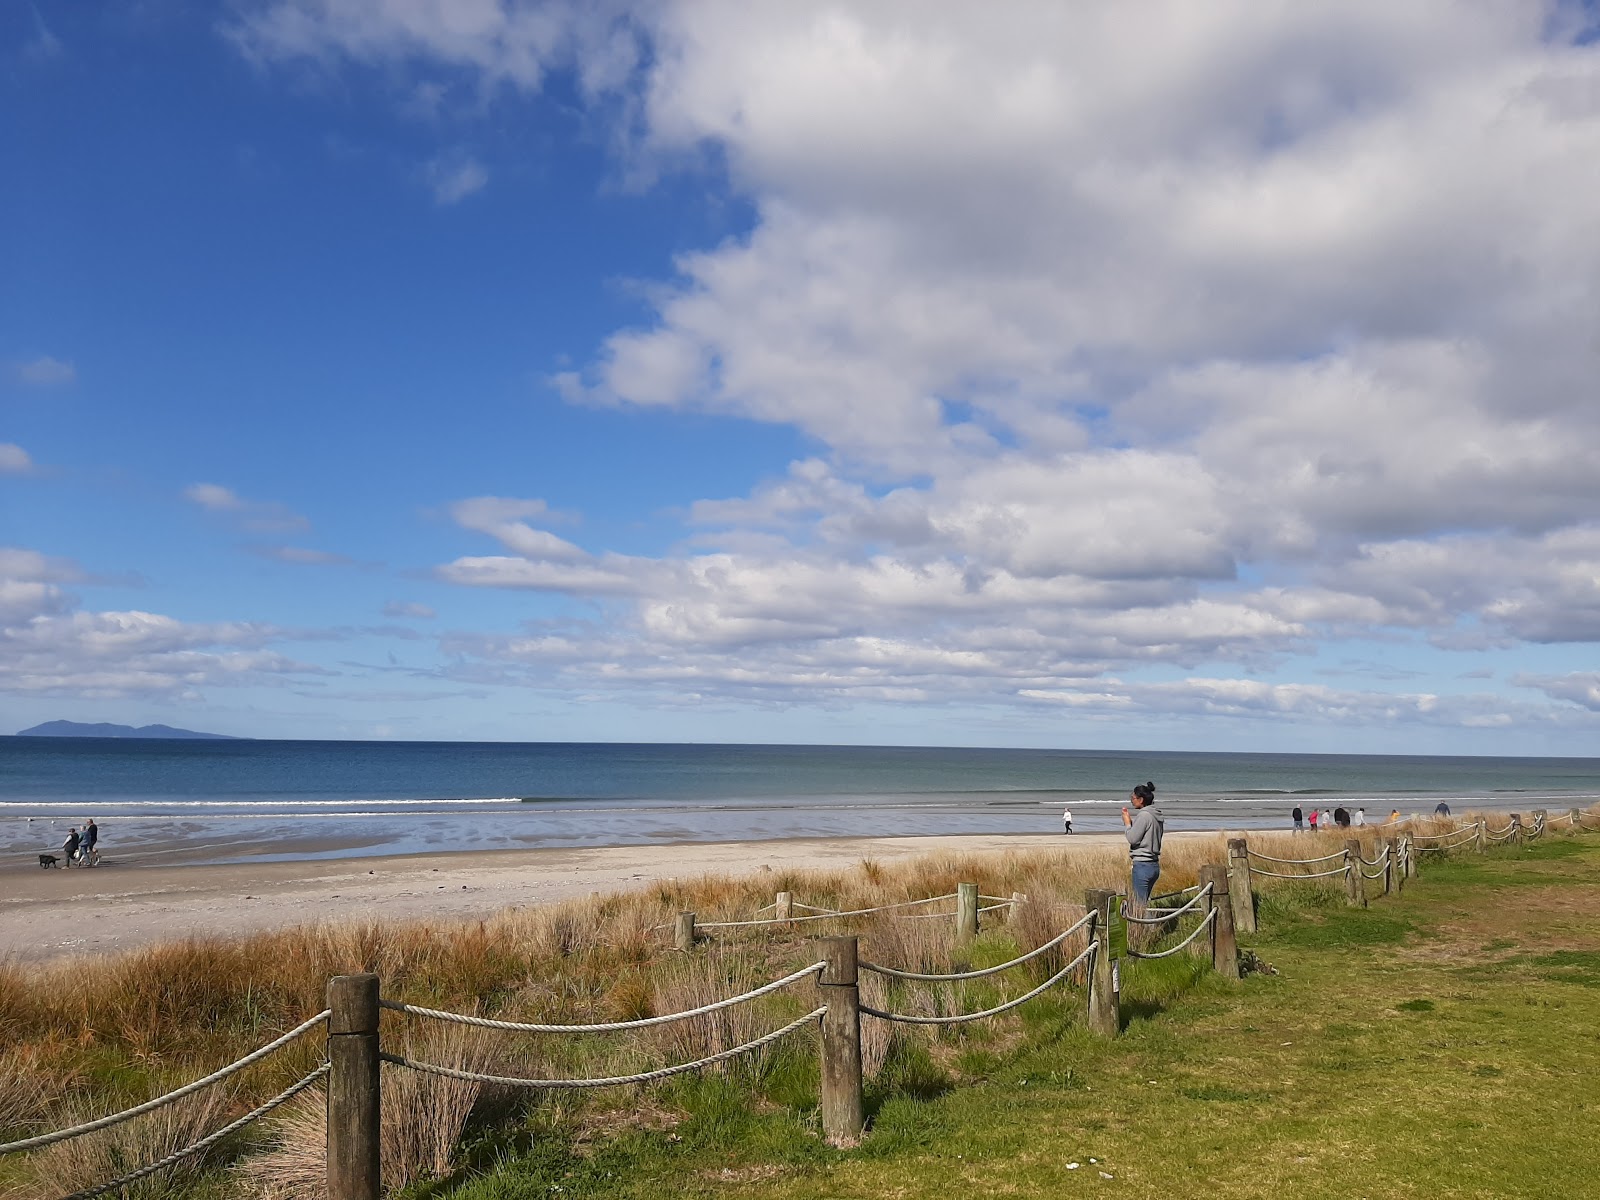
<point x="1066" y="820"/>
<point x="1361" y="817"/>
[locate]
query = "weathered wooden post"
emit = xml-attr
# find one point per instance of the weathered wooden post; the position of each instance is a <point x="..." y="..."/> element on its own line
<point x="1241" y="890"/>
<point x="1355" y="891"/>
<point x="842" y="1116"/>
<point x="1397" y="874"/>
<point x="1480" y="841"/>
<point x="1516" y="829"/>
<point x="1104" y="1017"/>
<point x="966" y="912"/>
<point x="683" y="934"/>
<point x="1224" y="945"/>
<point x="1018" y="899"/>
<point x="354" y="1119"/>
<point x="1574" y="821"/>
<point x="1540" y="818"/>
<point x="1408" y="855"/>
<point x="783" y="907"/>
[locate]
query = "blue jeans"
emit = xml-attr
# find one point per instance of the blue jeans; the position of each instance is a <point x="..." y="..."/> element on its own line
<point x="1145" y="875"/>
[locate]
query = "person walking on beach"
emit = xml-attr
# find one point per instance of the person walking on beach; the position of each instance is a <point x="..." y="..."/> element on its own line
<point x="1313" y="820"/>
<point x="1299" y="819"/>
<point x="1394" y="816"/>
<point x="1441" y="809"/>
<point x="1066" y="820"/>
<point x="1361" y="817"/>
<point x="1341" y="818"/>
<point x="91" y="835"/>
<point x="70" y="846"/>
<point x="1143" y="829"/>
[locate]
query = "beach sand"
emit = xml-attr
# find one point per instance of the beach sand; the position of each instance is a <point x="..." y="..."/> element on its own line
<point x="114" y="907"/>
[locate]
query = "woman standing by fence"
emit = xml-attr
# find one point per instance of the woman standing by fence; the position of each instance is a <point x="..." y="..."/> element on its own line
<point x="1144" y="828"/>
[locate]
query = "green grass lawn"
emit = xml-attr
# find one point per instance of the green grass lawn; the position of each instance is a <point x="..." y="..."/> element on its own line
<point x="1445" y="1043"/>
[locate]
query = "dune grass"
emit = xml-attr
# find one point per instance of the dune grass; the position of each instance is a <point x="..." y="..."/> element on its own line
<point x="1442" y="1043"/>
<point x="106" y="1033"/>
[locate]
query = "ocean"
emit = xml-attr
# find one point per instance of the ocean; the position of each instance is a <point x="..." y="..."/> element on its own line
<point x="264" y="800"/>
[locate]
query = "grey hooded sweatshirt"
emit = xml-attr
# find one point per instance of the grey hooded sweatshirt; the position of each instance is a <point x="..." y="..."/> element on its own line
<point x="1144" y="835"/>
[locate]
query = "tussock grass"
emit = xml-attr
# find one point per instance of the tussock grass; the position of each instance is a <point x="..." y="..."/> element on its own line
<point x="114" y="1031"/>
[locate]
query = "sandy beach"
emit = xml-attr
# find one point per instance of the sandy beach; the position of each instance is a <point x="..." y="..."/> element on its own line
<point x="115" y="907"/>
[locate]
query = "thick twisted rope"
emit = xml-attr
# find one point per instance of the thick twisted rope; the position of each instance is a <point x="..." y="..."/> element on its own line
<point x="188" y="1089"/>
<point x="1198" y="929"/>
<point x="1295" y="861"/>
<point x="960" y="1018"/>
<point x="1378" y="874"/>
<point x="896" y="973"/>
<point x="1166" y="914"/>
<point x="205" y="1143"/>
<point x="1176" y="894"/>
<point x="605" y="1027"/>
<point x="1375" y="862"/>
<point x="998" y="899"/>
<point x="825" y="916"/>
<point x="611" y="1081"/>
<point x="1308" y="875"/>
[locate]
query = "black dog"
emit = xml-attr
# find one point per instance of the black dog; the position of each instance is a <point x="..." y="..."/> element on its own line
<point x="47" y="861"/>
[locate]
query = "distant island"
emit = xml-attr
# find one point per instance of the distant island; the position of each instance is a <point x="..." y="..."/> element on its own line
<point x="104" y="729"/>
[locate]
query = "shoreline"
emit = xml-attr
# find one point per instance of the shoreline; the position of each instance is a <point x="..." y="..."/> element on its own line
<point x="112" y="908"/>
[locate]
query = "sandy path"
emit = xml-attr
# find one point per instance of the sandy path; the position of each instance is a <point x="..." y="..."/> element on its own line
<point x="47" y="914"/>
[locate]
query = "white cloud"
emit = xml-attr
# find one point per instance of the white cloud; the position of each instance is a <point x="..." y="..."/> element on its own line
<point x="14" y="460"/>
<point x="46" y="372"/>
<point x="454" y="178"/>
<point x="261" y="516"/>
<point x="49" y="647"/>
<point x="1132" y="335"/>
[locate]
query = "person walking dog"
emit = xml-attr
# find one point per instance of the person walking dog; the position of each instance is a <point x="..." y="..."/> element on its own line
<point x="1143" y="828"/>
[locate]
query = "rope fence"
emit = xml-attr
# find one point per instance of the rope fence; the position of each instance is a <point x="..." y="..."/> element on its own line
<point x="1194" y="933"/>
<point x="514" y="1081"/>
<point x="603" y="1027"/>
<point x="354" y="1058"/>
<point x="896" y="973"/>
<point x="962" y="1018"/>
<point x="188" y="1089"/>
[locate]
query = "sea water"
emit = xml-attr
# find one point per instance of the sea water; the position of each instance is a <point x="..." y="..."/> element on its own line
<point x="257" y="800"/>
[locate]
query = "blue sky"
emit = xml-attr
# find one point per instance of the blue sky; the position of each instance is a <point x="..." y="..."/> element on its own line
<point x="372" y="368"/>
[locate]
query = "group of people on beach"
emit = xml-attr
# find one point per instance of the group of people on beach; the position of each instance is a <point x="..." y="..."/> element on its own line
<point x="79" y="846"/>
<point x="1340" y="818"/>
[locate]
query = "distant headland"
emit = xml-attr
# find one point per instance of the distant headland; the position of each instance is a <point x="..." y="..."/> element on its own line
<point x="104" y="729"/>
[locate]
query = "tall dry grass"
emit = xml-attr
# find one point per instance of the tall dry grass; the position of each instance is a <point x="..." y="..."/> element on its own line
<point x="112" y="1031"/>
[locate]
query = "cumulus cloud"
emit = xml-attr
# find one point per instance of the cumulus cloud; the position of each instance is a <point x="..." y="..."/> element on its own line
<point x="14" y="460"/>
<point x="46" y="372"/>
<point x="1132" y="336"/>
<point x="261" y="516"/>
<point x="49" y="646"/>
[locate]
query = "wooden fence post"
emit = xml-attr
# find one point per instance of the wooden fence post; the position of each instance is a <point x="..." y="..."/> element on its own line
<point x="1481" y="841"/>
<point x="1516" y="829"/>
<point x="354" y="1119"/>
<point x="966" y="912"/>
<point x="1018" y="899"/>
<point x="683" y="932"/>
<point x="1397" y="875"/>
<point x="783" y="906"/>
<point x="1574" y="821"/>
<point x="1241" y="890"/>
<point x="1541" y="820"/>
<point x="1409" y="856"/>
<point x="842" y="1117"/>
<point x="1224" y="946"/>
<point x="1355" y="890"/>
<point x="1104" y="1017"/>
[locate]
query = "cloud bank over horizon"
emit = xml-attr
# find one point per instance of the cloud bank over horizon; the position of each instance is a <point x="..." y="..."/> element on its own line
<point x="1151" y="364"/>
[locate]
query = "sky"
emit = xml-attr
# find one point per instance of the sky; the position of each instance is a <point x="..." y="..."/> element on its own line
<point x="1160" y="375"/>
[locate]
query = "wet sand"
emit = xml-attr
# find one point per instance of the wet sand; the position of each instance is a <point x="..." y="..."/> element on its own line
<point x="120" y="905"/>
